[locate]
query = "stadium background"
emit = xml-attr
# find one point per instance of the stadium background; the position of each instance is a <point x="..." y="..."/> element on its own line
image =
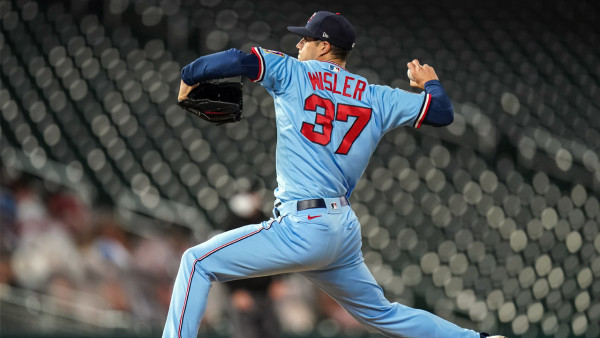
<point x="491" y="222"/>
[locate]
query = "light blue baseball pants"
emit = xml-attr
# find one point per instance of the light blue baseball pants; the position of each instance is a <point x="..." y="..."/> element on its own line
<point x="325" y="248"/>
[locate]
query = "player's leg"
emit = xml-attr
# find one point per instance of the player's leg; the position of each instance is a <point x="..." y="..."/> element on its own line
<point x="255" y="250"/>
<point x="355" y="289"/>
<point x="352" y="285"/>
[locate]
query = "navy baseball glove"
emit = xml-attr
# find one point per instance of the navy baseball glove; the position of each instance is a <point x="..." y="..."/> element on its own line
<point x="216" y="102"/>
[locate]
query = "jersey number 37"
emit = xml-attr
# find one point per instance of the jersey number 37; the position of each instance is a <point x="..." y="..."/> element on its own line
<point x="362" y="114"/>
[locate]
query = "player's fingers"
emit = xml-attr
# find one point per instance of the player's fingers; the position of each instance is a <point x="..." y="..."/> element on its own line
<point x="428" y="67"/>
<point x="416" y="63"/>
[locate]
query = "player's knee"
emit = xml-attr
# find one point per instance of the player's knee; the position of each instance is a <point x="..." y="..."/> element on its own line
<point x="189" y="257"/>
<point x="193" y="256"/>
<point x="191" y="260"/>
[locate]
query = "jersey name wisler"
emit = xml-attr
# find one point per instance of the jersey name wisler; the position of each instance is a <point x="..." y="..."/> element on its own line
<point x="329" y="122"/>
<point x="351" y="87"/>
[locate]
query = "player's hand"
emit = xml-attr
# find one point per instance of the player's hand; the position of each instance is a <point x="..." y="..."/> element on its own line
<point x="184" y="91"/>
<point x="419" y="75"/>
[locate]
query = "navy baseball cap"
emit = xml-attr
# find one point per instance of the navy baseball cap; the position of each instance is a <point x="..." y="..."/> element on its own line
<point x="330" y="27"/>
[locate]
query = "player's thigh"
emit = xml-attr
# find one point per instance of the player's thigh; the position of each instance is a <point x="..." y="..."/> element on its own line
<point x="249" y="251"/>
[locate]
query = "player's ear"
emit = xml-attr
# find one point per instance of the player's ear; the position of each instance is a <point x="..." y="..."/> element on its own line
<point x="325" y="47"/>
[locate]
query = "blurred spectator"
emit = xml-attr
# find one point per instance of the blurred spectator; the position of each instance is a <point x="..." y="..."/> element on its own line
<point x="31" y="214"/>
<point x="45" y="247"/>
<point x="295" y="303"/>
<point x="106" y="243"/>
<point x="154" y="256"/>
<point x="71" y="211"/>
<point x="104" y="248"/>
<point x="153" y="259"/>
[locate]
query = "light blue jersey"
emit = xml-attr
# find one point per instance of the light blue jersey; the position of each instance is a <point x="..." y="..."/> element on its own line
<point x="329" y="122"/>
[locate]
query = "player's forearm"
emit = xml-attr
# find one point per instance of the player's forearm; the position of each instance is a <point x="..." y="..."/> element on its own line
<point x="221" y="65"/>
<point x="440" y="111"/>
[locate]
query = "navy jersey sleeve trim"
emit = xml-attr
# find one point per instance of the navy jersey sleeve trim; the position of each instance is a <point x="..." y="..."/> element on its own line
<point x="261" y="65"/>
<point x="423" y="111"/>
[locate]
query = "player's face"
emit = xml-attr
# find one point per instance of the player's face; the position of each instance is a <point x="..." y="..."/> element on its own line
<point x="307" y="49"/>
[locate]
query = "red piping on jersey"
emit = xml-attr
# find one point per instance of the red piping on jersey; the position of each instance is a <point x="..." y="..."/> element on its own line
<point x="423" y="113"/>
<point x="187" y="292"/>
<point x="261" y="65"/>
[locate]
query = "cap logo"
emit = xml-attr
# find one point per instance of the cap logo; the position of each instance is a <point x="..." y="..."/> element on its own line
<point x="325" y="35"/>
<point x="312" y="16"/>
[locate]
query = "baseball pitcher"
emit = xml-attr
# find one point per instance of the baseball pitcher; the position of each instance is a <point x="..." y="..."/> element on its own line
<point x="329" y="122"/>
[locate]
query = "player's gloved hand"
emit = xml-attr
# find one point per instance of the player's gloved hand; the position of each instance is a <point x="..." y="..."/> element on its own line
<point x="215" y="102"/>
<point x="419" y="75"/>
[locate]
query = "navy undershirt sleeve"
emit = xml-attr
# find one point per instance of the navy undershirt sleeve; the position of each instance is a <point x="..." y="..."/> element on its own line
<point x="229" y="63"/>
<point x="440" y="111"/>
